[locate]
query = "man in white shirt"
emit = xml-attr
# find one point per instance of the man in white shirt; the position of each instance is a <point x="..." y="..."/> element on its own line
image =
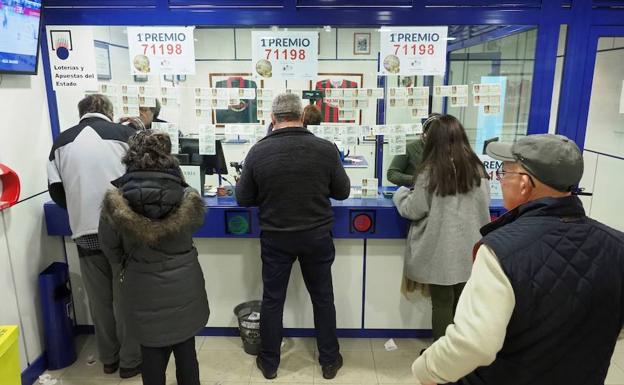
<point x="83" y="162"/>
<point x="545" y="301"/>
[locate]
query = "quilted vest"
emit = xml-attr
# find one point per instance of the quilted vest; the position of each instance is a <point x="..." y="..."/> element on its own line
<point x="567" y="274"/>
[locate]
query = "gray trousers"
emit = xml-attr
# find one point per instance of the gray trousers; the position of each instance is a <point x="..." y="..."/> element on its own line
<point x="114" y="341"/>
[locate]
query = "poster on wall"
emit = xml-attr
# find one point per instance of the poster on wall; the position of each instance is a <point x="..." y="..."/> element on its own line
<point x="161" y="50"/>
<point x="284" y="55"/>
<point x="419" y="51"/>
<point x="72" y="58"/>
<point x="490" y="116"/>
<point x="491" y="165"/>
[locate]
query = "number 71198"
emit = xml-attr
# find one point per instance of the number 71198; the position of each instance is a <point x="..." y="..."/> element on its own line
<point x="414" y="49"/>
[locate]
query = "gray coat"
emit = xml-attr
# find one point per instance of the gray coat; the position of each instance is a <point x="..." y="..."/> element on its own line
<point x="443" y="231"/>
<point x="163" y="289"/>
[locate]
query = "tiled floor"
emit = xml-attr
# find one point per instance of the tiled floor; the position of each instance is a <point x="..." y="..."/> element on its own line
<point x="223" y="362"/>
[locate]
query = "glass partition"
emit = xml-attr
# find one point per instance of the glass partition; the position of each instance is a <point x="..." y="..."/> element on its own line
<point x="500" y="56"/>
<point x="482" y="55"/>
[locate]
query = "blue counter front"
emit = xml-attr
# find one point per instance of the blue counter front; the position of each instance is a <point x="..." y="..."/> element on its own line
<point x="367" y="272"/>
<point x="355" y="218"/>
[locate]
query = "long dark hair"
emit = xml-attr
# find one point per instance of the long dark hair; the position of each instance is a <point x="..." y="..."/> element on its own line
<point x="452" y="165"/>
<point x="150" y="150"/>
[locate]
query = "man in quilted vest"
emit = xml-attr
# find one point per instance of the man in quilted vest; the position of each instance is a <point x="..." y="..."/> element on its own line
<point x="545" y="301"/>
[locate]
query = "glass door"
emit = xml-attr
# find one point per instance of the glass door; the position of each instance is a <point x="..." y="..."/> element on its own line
<point x="601" y="127"/>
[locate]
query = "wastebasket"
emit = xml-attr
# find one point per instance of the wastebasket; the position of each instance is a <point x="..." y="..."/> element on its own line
<point x="9" y="356"/>
<point x="248" y="315"/>
<point x="57" y="308"/>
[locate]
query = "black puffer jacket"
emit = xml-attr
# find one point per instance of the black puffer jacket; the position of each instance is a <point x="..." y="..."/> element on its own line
<point x="147" y="224"/>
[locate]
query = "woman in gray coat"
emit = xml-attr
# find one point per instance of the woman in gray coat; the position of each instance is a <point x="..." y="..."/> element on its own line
<point x="447" y="206"/>
<point x="147" y="224"/>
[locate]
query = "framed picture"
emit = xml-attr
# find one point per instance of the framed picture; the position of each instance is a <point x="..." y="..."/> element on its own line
<point x="330" y="106"/>
<point x="140" y="78"/>
<point x="361" y="43"/>
<point x="181" y="78"/>
<point x="102" y="61"/>
<point x="239" y="110"/>
<point x="169" y="78"/>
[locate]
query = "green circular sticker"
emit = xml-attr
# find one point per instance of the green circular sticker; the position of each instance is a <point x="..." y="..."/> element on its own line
<point x="238" y="225"/>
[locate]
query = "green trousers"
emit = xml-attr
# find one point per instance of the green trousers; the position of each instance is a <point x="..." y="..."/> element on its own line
<point x="444" y="301"/>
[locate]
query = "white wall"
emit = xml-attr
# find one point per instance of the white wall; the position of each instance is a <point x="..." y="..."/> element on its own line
<point x="25" y="248"/>
<point x="604" y="140"/>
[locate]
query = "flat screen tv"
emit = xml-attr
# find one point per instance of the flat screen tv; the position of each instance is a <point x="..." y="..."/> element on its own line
<point x="19" y="36"/>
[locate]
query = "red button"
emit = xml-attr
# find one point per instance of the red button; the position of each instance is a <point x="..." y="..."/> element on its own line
<point x="362" y="223"/>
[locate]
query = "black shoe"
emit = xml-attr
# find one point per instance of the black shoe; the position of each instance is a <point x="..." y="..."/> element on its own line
<point x="330" y="371"/>
<point x="265" y="373"/>
<point x="130" y="372"/>
<point x="111" y="368"/>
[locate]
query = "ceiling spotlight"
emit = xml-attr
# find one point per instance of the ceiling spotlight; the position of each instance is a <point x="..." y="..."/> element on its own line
<point x="274" y="28"/>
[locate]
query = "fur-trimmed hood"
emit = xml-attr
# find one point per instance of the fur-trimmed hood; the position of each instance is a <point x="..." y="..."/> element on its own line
<point x="189" y="215"/>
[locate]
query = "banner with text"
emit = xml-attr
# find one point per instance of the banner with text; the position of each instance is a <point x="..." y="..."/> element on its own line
<point x="72" y="58"/>
<point x="491" y="165"/>
<point x="284" y="55"/>
<point x="161" y="50"/>
<point x="417" y="51"/>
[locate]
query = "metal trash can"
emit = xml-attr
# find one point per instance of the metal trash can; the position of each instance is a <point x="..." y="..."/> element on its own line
<point x="248" y="315"/>
<point x="57" y="308"/>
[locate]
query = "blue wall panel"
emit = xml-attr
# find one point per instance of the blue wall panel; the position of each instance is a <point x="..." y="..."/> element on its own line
<point x="99" y="3"/>
<point x="608" y="3"/>
<point x="227" y="3"/>
<point x="486" y="3"/>
<point x="354" y="3"/>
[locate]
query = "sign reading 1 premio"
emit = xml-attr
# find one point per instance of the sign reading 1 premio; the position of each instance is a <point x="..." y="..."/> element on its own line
<point x="161" y="50"/>
<point x="285" y="55"/>
<point x="413" y="51"/>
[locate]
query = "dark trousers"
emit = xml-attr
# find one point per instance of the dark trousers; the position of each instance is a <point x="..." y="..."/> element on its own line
<point x="115" y="341"/>
<point x="444" y="302"/>
<point x="155" y="362"/>
<point x="316" y="254"/>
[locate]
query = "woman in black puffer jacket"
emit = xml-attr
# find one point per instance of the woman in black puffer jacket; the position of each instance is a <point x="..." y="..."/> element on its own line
<point x="147" y="224"/>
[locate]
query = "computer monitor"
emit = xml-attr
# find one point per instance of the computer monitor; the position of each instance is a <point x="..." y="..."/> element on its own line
<point x="210" y="164"/>
<point x="188" y="154"/>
